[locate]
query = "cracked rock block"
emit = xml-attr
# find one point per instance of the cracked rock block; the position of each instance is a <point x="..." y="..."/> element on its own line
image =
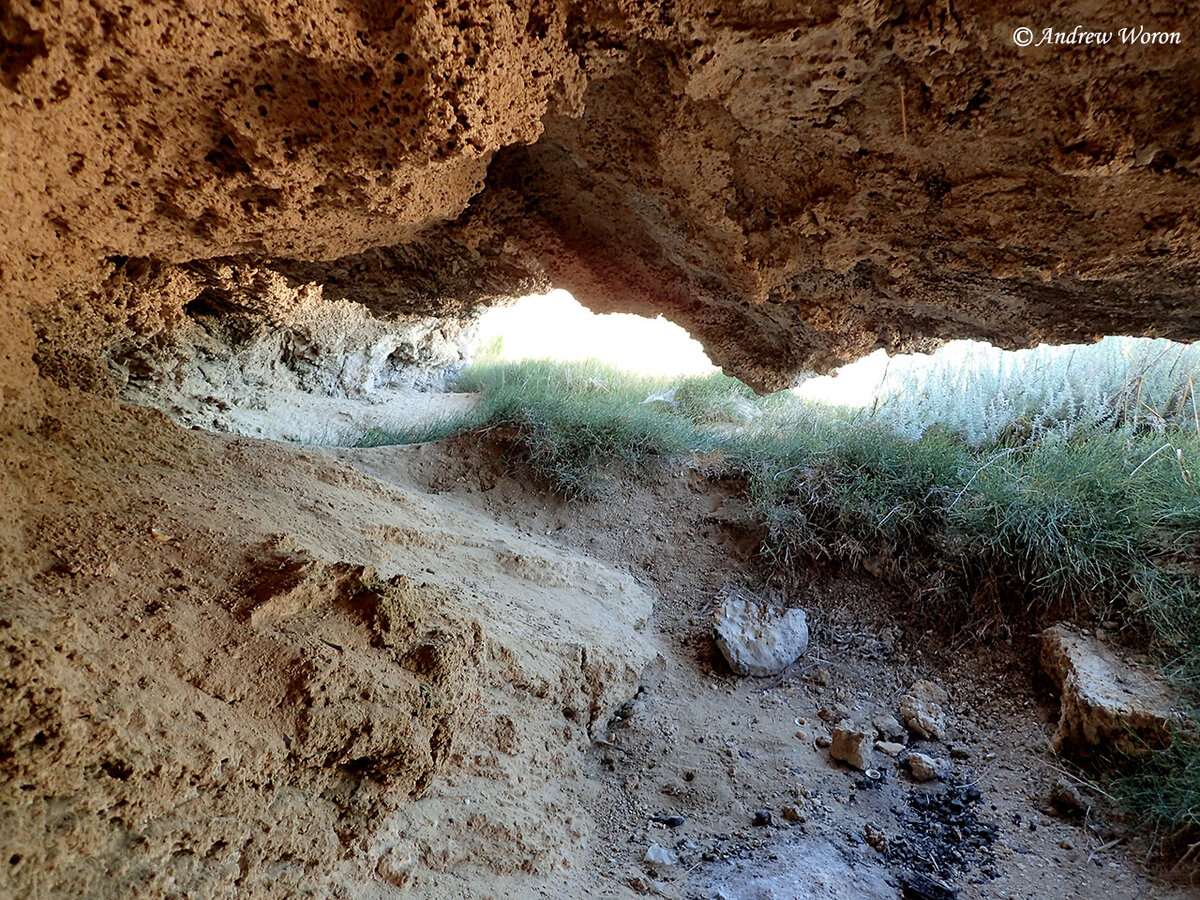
<point x="852" y="745"/>
<point x="1107" y="702"/>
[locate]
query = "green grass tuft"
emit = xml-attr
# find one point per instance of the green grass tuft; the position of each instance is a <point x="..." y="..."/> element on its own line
<point x="418" y="432"/>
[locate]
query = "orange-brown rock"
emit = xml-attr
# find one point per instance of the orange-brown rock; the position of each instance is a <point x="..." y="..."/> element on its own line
<point x="794" y="184"/>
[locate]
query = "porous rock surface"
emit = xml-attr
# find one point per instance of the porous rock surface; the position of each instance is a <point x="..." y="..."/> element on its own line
<point x="1107" y="703"/>
<point x="757" y="639"/>
<point x="795" y="185"/>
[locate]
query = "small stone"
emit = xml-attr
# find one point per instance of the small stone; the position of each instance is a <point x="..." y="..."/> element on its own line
<point x="823" y="741"/>
<point x="669" y="821"/>
<point x="793" y="813"/>
<point x="1066" y="799"/>
<point x="834" y="713"/>
<point x="889" y="730"/>
<point x="888" y="748"/>
<point x="643" y="885"/>
<point x="632" y="709"/>
<point x="876" y="838"/>
<point x="928" y="768"/>
<point x="851" y="745"/>
<point x="757" y="639"/>
<point x="922" y="887"/>
<point x="658" y="855"/>
<point x="763" y="818"/>
<point x="960" y="751"/>
<point x="820" y="676"/>
<point x="922" y="712"/>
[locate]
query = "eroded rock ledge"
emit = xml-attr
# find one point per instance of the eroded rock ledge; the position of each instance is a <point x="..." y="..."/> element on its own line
<point x="796" y="187"/>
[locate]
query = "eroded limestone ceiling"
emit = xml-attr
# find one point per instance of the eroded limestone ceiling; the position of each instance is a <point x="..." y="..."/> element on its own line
<point x="795" y="183"/>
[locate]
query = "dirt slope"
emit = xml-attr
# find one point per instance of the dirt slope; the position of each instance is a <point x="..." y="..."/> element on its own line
<point x="239" y="668"/>
<point x="233" y="665"/>
<point x="714" y="749"/>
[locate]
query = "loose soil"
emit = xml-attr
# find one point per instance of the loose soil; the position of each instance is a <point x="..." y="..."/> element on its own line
<point x="714" y="749"/>
<point x="239" y="667"/>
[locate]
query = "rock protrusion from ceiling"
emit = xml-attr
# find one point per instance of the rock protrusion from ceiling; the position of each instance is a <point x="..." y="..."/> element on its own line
<point x="798" y="191"/>
<point x="175" y="134"/>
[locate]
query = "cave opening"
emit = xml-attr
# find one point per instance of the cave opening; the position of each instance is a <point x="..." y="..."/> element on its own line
<point x="329" y="568"/>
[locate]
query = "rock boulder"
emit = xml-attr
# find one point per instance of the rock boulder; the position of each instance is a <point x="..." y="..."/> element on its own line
<point x="1108" y="703"/>
<point x="757" y="639"/>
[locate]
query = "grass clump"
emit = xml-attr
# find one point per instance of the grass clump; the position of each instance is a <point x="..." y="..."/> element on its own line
<point x="583" y="425"/>
<point x="417" y="432"/>
<point x="1164" y="790"/>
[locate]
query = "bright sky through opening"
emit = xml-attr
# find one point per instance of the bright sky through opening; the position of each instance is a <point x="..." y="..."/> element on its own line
<point x="556" y="326"/>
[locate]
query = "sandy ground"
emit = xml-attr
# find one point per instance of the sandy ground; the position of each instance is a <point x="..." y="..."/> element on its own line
<point x="243" y="668"/>
<point x="715" y="749"/>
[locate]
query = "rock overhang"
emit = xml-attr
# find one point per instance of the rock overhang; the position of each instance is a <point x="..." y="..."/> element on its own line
<point x="795" y="189"/>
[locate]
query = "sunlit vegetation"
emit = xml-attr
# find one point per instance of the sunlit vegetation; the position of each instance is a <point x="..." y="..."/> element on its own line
<point x="1067" y="483"/>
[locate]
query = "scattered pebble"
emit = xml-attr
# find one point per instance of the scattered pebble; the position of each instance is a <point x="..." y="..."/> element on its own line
<point x="875" y="838"/>
<point x="763" y="818"/>
<point x="669" y="821"/>
<point x="943" y="834"/>
<point x="1066" y="799"/>
<point x="645" y="885"/>
<point x="888" y="748"/>
<point x="834" y="713"/>
<point x="921" y="887"/>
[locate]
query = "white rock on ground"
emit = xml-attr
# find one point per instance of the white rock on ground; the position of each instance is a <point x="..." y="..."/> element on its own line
<point x="928" y="768"/>
<point x="1106" y="702"/>
<point x="852" y="745"/>
<point x="659" y="855"/>
<point x="757" y="639"/>
<point x="921" y="710"/>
